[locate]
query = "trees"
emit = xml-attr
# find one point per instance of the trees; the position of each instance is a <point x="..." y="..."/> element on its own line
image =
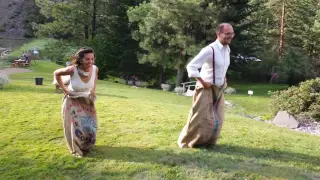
<point x="129" y="36"/>
<point x="294" y="30"/>
<point x="173" y="31"/>
<point x="32" y="17"/>
<point x="71" y="19"/>
<point x="101" y="24"/>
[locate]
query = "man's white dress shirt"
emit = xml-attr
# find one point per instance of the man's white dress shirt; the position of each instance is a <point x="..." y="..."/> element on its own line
<point x="204" y="60"/>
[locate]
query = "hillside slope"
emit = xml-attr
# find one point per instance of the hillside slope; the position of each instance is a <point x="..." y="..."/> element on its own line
<point x="13" y="14"/>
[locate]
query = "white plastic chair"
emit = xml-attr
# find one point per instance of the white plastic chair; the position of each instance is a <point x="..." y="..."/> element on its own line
<point x="188" y="85"/>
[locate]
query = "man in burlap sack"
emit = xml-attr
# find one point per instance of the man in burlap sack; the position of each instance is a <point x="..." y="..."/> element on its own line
<point x="206" y="116"/>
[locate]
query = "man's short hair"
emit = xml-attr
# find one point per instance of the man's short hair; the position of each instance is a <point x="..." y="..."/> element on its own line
<point x="219" y="28"/>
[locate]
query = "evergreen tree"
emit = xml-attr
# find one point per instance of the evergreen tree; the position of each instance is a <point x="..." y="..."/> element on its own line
<point x="171" y="32"/>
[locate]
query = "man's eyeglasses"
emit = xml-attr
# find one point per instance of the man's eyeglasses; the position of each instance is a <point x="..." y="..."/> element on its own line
<point x="229" y="34"/>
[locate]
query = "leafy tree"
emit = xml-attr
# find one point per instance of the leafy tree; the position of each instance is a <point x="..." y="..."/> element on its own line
<point x="171" y="32"/>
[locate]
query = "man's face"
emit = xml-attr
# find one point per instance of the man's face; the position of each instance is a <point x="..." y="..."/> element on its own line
<point x="226" y="35"/>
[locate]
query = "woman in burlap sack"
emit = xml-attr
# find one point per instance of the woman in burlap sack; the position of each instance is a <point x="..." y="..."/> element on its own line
<point x="206" y="116"/>
<point x="78" y="106"/>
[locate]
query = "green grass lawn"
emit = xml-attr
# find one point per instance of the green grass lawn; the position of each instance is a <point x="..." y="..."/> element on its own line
<point x="258" y="103"/>
<point x="137" y="134"/>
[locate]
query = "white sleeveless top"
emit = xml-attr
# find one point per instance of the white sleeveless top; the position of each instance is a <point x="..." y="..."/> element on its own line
<point x="77" y="85"/>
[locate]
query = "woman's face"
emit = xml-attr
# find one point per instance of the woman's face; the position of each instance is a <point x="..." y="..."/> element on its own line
<point x="88" y="60"/>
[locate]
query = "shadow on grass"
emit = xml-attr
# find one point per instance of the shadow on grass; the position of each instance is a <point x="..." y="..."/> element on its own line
<point x="236" y="161"/>
<point x="111" y="95"/>
<point x="49" y="89"/>
<point x="226" y="157"/>
<point x="60" y="167"/>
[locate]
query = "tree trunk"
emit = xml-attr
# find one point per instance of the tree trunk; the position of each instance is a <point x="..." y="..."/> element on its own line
<point x="86" y="32"/>
<point x="86" y="26"/>
<point x="281" y="45"/>
<point x="94" y="18"/>
<point x="181" y="69"/>
<point x="180" y="73"/>
<point x="161" y="75"/>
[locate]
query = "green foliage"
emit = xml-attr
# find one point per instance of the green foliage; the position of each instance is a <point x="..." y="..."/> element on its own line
<point x="80" y="20"/>
<point x="115" y="79"/>
<point x="300" y="40"/>
<point x="113" y="58"/>
<point x="172" y="32"/>
<point x="168" y="33"/>
<point x="64" y="20"/>
<point x="302" y="100"/>
<point x="312" y="44"/>
<point x="295" y="67"/>
<point x="32" y="17"/>
<point x="167" y="29"/>
<point x="114" y="47"/>
<point x="67" y="20"/>
<point x="59" y="51"/>
<point x="105" y="53"/>
<point x="10" y="59"/>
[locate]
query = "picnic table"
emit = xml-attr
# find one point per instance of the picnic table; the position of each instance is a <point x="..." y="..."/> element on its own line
<point x="20" y="63"/>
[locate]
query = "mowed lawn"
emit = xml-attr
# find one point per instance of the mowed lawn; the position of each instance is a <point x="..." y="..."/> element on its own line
<point x="137" y="134"/>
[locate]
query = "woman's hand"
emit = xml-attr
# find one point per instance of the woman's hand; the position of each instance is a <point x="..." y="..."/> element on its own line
<point x="92" y="93"/>
<point x="62" y="72"/>
<point x="65" y="91"/>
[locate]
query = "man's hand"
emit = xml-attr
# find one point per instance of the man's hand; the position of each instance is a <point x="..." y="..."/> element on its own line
<point x="204" y="84"/>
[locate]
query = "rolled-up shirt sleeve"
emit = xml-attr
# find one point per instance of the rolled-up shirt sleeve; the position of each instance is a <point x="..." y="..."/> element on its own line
<point x="196" y="63"/>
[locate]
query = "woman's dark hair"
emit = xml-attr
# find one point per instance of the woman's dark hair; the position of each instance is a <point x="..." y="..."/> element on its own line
<point x="77" y="58"/>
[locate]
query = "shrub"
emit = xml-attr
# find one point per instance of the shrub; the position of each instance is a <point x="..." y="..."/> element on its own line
<point x="10" y="59"/>
<point x="300" y="101"/>
<point x="115" y="79"/>
<point x="59" y="51"/>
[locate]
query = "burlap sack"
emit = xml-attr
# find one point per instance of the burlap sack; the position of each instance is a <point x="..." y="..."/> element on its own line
<point x="80" y="123"/>
<point x="205" y="118"/>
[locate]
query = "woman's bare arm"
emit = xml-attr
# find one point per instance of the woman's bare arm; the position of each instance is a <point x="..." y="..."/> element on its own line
<point x="95" y="83"/>
<point x="62" y="72"/>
